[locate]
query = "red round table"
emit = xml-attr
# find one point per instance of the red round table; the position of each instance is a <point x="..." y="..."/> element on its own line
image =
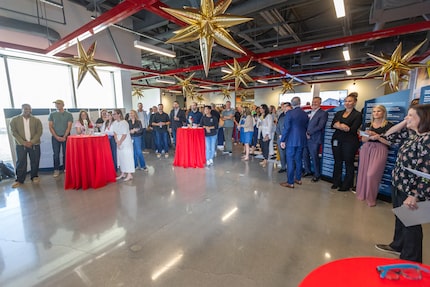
<point x="89" y="162"/>
<point x="360" y="272"/>
<point x="190" y="147"/>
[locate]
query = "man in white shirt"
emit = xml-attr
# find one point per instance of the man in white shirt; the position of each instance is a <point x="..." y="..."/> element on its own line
<point x="26" y="130"/>
<point x="143" y="117"/>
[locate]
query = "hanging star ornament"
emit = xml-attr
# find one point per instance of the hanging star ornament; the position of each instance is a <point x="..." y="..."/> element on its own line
<point x="85" y="61"/>
<point x="239" y="74"/>
<point x="208" y="25"/>
<point x="226" y="93"/>
<point x="137" y="93"/>
<point x="200" y="99"/>
<point x="187" y="87"/>
<point x="288" y="86"/>
<point x="395" y="68"/>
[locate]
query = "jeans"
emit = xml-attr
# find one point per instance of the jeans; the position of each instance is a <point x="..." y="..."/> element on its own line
<point x="56" y="147"/>
<point x="113" y="151"/>
<point x="282" y="155"/>
<point x="294" y="163"/>
<point x="210" y="142"/>
<point x="21" y="162"/>
<point x="143" y="138"/>
<point x="161" y="141"/>
<point x="137" y="152"/>
<point x="228" y="133"/>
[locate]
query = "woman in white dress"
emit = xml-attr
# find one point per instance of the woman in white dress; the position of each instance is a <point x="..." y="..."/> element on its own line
<point x="124" y="145"/>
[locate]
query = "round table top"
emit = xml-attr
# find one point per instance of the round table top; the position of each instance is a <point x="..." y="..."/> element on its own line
<point x="359" y="271"/>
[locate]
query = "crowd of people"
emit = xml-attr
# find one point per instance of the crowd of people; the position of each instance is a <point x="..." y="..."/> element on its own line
<point x="296" y="134"/>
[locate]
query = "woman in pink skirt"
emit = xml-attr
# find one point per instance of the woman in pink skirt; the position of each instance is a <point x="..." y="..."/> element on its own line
<point x="373" y="156"/>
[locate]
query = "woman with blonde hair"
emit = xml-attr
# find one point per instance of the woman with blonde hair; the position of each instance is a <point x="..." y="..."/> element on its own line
<point x="136" y="132"/>
<point x="246" y="130"/>
<point x="373" y="156"/>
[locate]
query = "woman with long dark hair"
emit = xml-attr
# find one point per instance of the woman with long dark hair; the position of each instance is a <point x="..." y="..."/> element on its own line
<point x="264" y="132"/>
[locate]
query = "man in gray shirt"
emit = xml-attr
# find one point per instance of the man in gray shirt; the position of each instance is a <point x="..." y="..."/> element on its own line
<point x="60" y="124"/>
<point x="228" y="117"/>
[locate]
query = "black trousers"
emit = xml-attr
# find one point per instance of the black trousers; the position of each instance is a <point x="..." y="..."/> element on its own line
<point x="344" y="152"/>
<point x="407" y="240"/>
<point x="21" y="161"/>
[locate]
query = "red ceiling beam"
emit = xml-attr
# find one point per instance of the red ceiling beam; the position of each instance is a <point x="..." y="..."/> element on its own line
<point x="385" y="33"/>
<point x="113" y="16"/>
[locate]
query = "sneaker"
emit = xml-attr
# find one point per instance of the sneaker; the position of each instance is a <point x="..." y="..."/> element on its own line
<point x="211" y="161"/>
<point x="158" y="155"/>
<point x="208" y="162"/>
<point x="166" y="155"/>
<point x="56" y="173"/>
<point x="145" y="169"/>
<point x="16" y="184"/>
<point x="386" y="248"/>
<point x="145" y="152"/>
<point x="36" y="179"/>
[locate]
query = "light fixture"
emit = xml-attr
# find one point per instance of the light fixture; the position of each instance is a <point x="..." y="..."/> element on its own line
<point x="206" y="87"/>
<point x="263" y="81"/>
<point x="175" y="92"/>
<point x="348" y="72"/>
<point x="165" y="81"/>
<point x="225" y="70"/>
<point x="52" y="3"/>
<point x="339" y="6"/>
<point x="154" y="49"/>
<point x="346" y="54"/>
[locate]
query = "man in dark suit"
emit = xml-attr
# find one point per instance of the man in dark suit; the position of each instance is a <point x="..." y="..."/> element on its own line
<point x="317" y="121"/>
<point x="294" y="140"/>
<point x="177" y="119"/>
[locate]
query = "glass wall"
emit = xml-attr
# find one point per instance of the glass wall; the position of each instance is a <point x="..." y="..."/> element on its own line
<point x="5" y="154"/>
<point x="38" y="82"/>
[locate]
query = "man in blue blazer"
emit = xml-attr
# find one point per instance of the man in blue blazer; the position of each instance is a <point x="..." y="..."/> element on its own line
<point x="294" y="140"/>
<point x="317" y="121"/>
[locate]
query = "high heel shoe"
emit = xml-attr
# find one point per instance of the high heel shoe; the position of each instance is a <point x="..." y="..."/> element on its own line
<point x="128" y="178"/>
<point x="121" y="176"/>
<point x="245" y="158"/>
<point x="263" y="163"/>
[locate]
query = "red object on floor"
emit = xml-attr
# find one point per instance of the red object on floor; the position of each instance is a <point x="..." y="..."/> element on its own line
<point x="89" y="162"/>
<point x="360" y="272"/>
<point x="190" y="147"/>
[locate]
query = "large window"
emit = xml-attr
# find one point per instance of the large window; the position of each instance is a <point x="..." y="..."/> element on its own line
<point x="39" y="84"/>
<point x="91" y="94"/>
<point x="5" y="154"/>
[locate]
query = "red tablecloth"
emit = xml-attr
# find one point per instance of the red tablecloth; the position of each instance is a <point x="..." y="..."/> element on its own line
<point x="360" y="272"/>
<point x="89" y="162"/>
<point x="190" y="147"/>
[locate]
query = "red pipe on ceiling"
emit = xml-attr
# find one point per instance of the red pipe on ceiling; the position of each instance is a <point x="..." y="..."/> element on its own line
<point x="113" y="16"/>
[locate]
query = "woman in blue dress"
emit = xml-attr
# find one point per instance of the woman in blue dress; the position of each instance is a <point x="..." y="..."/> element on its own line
<point x="246" y="130"/>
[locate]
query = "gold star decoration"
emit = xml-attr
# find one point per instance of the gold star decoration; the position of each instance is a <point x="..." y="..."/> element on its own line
<point x="239" y="74"/>
<point x="226" y="92"/>
<point x="200" y="98"/>
<point x="187" y="87"/>
<point x="288" y="86"/>
<point x="243" y="96"/>
<point x="209" y="25"/>
<point x="85" y="61"/>
<point x="395" y="68"/>
<point x="137" y="93"/>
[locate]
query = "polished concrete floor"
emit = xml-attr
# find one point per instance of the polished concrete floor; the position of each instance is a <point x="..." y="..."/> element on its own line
<point x="227" y="225"/>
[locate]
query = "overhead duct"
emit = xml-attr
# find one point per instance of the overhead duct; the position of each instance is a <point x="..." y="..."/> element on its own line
<point x="29" y="28"/>
<point x="385" y="11"/>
